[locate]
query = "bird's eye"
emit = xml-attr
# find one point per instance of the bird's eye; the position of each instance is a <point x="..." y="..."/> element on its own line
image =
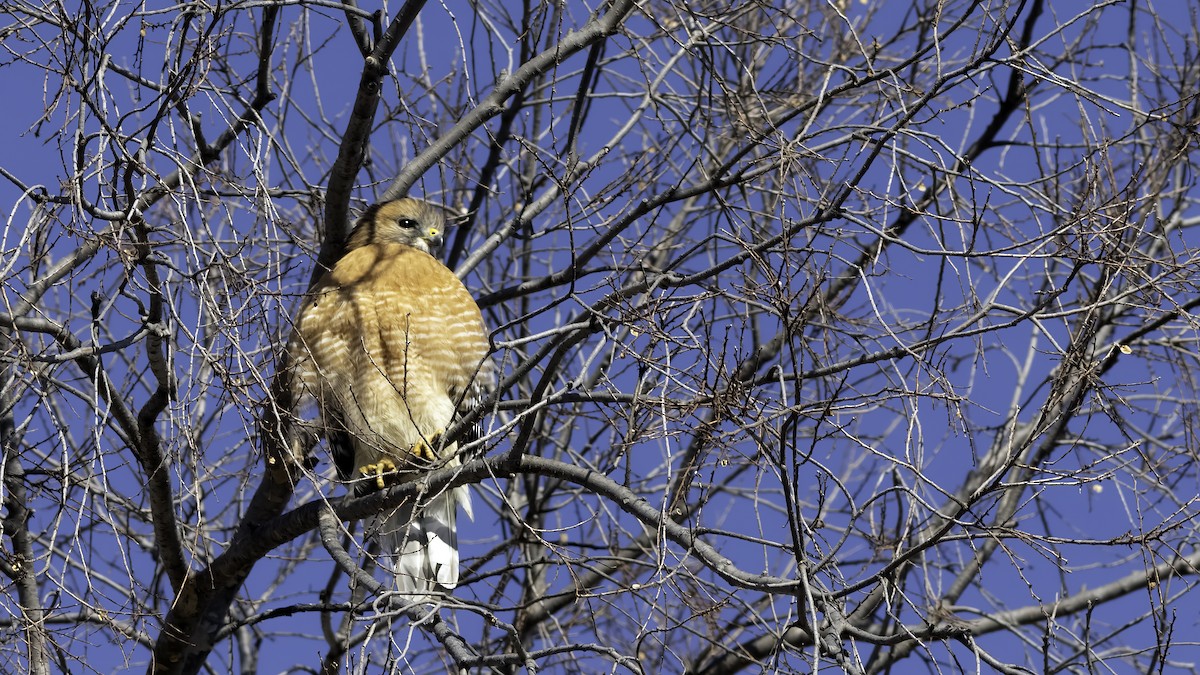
<point x="407" y="223"/>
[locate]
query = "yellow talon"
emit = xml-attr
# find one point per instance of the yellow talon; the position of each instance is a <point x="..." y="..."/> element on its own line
<point x="378" y="469"/>
<point x="424" y="451"/>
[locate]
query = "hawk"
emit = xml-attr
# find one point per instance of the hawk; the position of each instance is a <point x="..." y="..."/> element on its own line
<point x="389" y="345"/>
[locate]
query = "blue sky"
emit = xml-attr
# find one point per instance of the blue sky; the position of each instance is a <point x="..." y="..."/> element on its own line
<point x="889" y="410"/>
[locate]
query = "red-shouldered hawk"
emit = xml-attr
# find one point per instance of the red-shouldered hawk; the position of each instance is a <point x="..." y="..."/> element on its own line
<point x="389" y="344"/>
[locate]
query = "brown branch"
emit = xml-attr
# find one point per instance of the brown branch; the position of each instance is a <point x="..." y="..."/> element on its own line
<point x="149" y="444"/>
<point x="353" y="149"/>
<point x="21" y="565"/>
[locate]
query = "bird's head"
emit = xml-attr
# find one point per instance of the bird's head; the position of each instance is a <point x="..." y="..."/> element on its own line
<point x="407" y="221"/>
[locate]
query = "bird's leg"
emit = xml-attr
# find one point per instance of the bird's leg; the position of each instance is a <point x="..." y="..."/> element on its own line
<point x="378" y="470"/>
